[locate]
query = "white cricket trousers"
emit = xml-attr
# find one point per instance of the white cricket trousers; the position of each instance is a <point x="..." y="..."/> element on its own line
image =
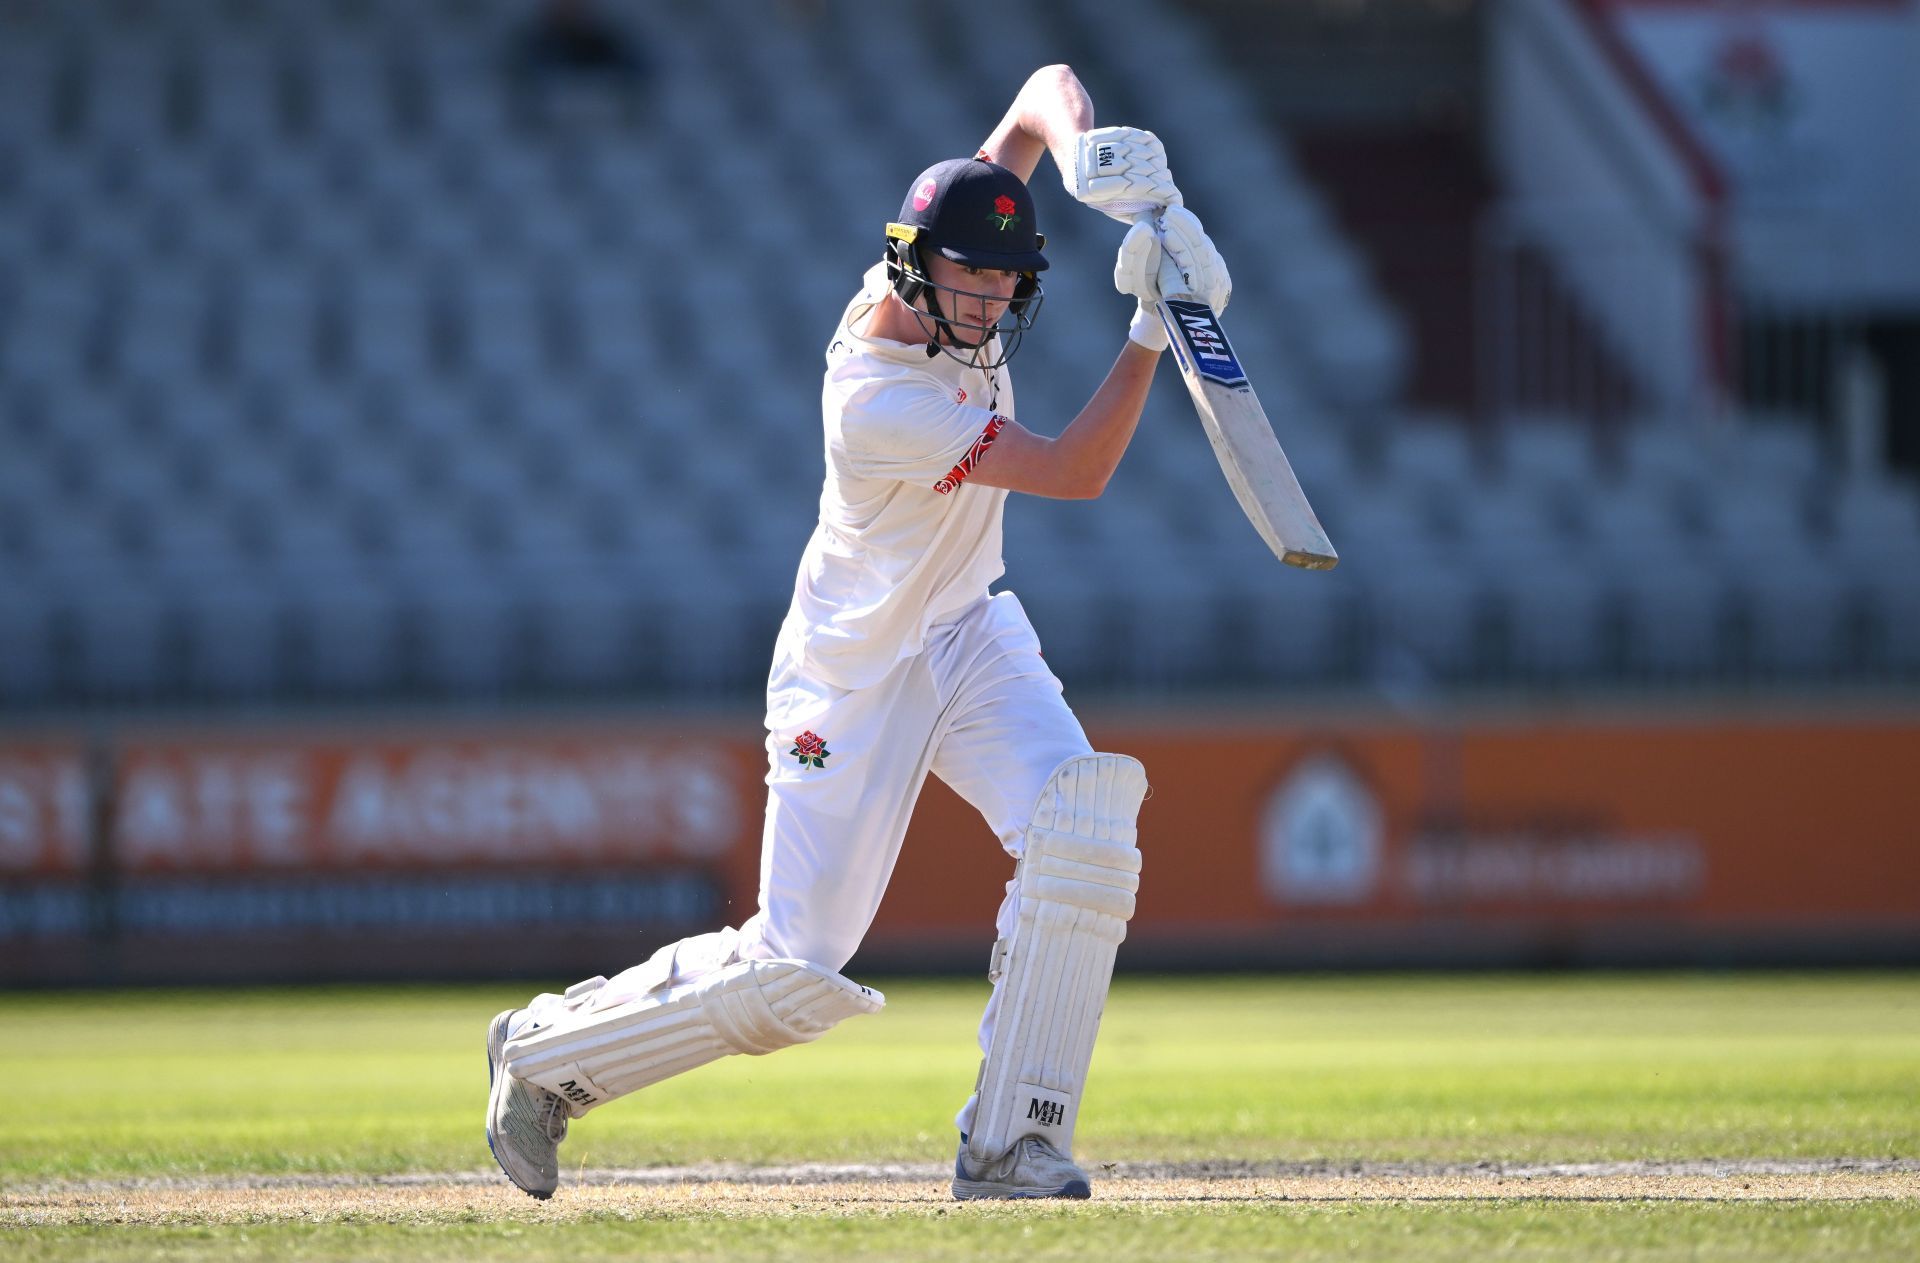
<point x="977" y="707"/>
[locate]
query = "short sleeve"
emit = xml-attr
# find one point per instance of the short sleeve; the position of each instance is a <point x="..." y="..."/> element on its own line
<point x="916" y="433"/>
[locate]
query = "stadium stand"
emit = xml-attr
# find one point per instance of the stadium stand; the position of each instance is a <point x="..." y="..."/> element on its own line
<point x="327" y="374"/>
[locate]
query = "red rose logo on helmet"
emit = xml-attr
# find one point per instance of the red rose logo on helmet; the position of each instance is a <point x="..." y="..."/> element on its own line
<point x="923" y="196"/>
<point x="1006" y="210"/>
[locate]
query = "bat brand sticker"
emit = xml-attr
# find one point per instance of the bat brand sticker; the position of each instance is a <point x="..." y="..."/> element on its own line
<point x="1206" y="342"/>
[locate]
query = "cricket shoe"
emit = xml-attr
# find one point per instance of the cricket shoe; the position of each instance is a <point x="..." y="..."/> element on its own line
<point x="1032" y="1168"/>
<point x="525" y="1122"/>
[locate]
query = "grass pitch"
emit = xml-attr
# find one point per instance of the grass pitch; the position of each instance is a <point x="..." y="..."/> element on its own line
<point x="1438" y="1117"/>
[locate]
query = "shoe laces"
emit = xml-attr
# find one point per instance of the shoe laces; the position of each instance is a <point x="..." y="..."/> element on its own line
<point x="555" y="1119"/>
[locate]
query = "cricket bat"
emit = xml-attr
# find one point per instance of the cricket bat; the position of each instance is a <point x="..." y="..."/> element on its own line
<point x="1242" y="437"/>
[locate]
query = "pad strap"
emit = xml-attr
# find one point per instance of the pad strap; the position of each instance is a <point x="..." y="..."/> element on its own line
<point x="1075" y="885"/>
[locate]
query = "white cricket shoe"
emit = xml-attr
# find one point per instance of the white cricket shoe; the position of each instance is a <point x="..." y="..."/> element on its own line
<point x="1032" y="1168"/>
<point x="525" y="1122"/>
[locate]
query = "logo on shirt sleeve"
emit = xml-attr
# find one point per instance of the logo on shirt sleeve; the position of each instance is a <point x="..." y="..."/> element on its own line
<point x="958" y="474"/>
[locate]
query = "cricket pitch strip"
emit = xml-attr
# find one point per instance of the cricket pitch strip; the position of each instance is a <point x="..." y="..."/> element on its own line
<point x="881" y="1191"/>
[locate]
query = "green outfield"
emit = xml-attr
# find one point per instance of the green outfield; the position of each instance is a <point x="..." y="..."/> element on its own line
<point x="345" y="1123"/>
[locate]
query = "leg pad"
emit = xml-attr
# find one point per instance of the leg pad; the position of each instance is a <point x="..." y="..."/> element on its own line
<point x="591" y="1056"/>
<point x="1075" y="885"/>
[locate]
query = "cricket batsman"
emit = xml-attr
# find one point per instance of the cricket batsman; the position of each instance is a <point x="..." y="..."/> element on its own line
<point x="894" y="661"/>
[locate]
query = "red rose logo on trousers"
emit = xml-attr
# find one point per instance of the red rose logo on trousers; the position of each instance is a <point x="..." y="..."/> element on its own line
<point x="1006" y="211"/>
<point x="810" y="750"/>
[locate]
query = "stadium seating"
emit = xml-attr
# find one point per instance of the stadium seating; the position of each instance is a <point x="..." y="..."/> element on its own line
<point x="327" y="373"/>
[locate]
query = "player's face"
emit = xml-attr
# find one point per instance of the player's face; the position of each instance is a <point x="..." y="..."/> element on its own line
<point x="983" y="293"/>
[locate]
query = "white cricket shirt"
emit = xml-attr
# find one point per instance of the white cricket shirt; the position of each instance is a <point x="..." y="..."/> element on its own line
<point x="905" y="540"/>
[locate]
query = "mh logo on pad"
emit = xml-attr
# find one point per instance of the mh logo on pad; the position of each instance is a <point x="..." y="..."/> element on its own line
<point x="1206" y="342"/>
<point x="1042" y="1111"/>
<point x="1046" y="1113"/>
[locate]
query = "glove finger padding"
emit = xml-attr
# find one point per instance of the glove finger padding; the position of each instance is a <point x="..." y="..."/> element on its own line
<point x="1189" y="263"/>
<point x="1121" y="172"/>
<point x="1137" y="268"/>
<point x="1136" y="272"/>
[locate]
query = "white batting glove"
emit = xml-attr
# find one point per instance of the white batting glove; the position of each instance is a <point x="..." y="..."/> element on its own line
<point x="1120" y="172"/>
<point x="1169" y="255"/>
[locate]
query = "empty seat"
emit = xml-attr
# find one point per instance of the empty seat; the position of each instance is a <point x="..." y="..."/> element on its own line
<point x="1547" y="450"/>
<point x="275" y="323"/>
<point x="1674" y="616"/>
<point x="583" y="630"/>
<point x="1507" y="525"/>
<point x="389" y="324"/>
<point x="1556" y="622"/>
<point x="124" y="642"/>
<point x="344" y="636"/>
<point x="1866" y="516"/>
<point x="1796" y="621"/>
<point x="1662" y="453"/>
<point x="711" y="632"/>
<point x="1274" y="625"/>
<point x="471" y="636"/>
<point x="53" y="315"/>
<point x="1167" y="635"/>
<point x="1384" y="524"/>
<point x="1890" y="602"/>
<point x="26" y="645"/>
<point x="1434" y="615"/>
<point x="1631" y="526"/>
<point x="1073" y="612"/>
<point x="1430" y="453"/>
<point x="1753" y="527"/>
<point x="235" y="628"/>
<point x="189" y="537"/>
<point x="1780" y="451"/>
<point x="506" y="322"/>
<point x="81" y="540"/>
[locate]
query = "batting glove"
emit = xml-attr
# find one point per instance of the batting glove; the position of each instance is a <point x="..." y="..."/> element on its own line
<point x="1169" y="255"/>
<point x="1120" y="172"/>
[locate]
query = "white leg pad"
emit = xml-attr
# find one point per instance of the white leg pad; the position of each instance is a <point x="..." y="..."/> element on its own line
<point x="1075" y="886"/>
<point x="590" y="1056"/>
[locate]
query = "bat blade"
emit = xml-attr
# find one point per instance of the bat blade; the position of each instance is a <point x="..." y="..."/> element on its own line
<point x="1243" y="439"/>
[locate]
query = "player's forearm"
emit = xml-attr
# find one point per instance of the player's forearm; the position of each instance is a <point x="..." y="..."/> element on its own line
<point x="1051" y="110"/>
<point x="1093" y="443"/>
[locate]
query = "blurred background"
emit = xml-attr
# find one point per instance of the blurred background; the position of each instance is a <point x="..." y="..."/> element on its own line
<point x="409" y="429"/>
